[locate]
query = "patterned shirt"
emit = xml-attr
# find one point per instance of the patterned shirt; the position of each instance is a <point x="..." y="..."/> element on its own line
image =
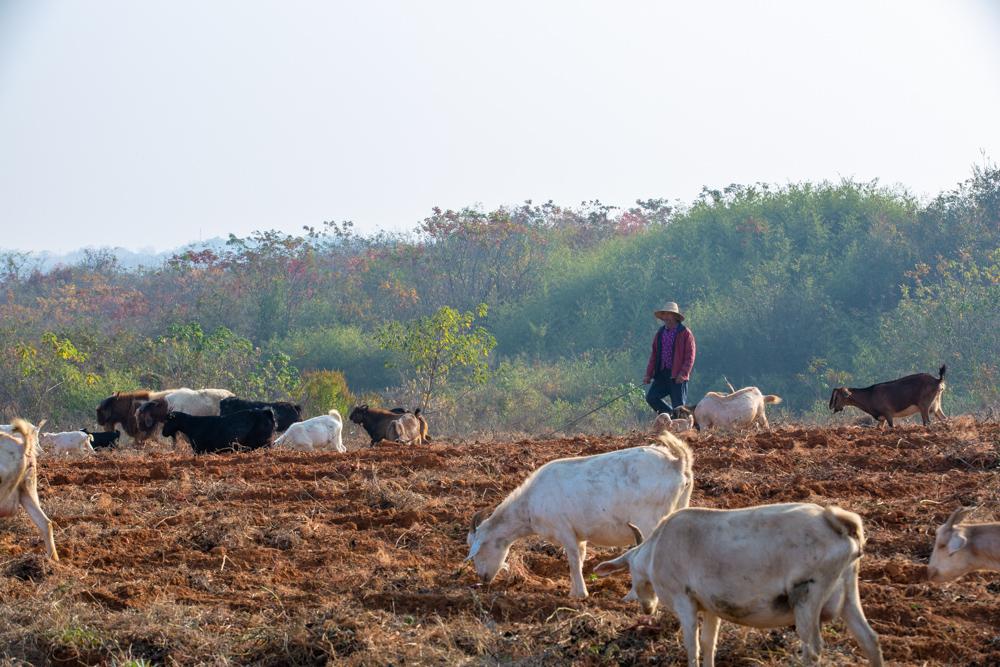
<point x="667" y="347"/>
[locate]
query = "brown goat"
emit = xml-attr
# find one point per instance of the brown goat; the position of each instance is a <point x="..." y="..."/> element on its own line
<point x="885" y="401"/>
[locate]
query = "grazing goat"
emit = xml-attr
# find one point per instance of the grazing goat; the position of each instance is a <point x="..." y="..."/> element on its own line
<point x="408" y="429"/>
<point x="67" y="442"/>
<point x="19" y="479"/>
<point x="739" y="409"/>
<point x="960" y="548"/>
<point x="101" y="440"/>
<point x="663" y="423"/>
<point x="376" y="421"/>
<point x="323" y="432"/>
<point x="763" y="567"/>
<point x="920" y="392"/>
<point x="250" y="429"/>
<point x="586" y="499"/>
<point x="286" y="413"/>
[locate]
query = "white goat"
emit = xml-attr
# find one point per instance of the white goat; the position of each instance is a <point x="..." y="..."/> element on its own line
<point x="10" y="430"/>
<point x="586" y="499"/>
<point x="960" y="548"/>
<point x="323" y="432"/>
<point x="763" y="567"/>
<point x="67" y="442"/>
<point x="664" y="423"/>
<point x="19" y="479"/>
<point x="731" y="411"/>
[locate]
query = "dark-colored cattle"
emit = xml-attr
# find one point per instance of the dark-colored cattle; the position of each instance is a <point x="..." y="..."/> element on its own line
<point x="247" y="429"/>
<point x="150" y="413"/>
<point x="919" y="392"/>
<point x="103" y="440"/>
<point x="376" y="421"/>
<point x="120" y="409"/>
<point x="286" y="413"/>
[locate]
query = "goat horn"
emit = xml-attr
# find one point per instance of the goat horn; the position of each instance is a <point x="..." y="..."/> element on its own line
<point x="477" y="519"/>
<point x="637" y="533"/>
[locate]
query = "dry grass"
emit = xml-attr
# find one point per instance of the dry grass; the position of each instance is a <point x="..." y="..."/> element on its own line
<point x="277" y="558"/>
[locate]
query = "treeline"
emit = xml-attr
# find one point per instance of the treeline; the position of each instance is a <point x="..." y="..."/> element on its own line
<point x="795" y="289"/>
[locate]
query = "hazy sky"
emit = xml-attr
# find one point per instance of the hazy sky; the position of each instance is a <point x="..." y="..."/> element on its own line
<point x="151" y="124"/>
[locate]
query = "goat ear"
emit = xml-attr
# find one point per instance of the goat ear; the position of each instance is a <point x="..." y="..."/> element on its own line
<point x="474" y="549"/>
<point x="956" y="542"/>
<point x="477" y="519"/>
<point x="636" y="533"/>
<point x="609" y="567"/>
<point x="959" y="515"/>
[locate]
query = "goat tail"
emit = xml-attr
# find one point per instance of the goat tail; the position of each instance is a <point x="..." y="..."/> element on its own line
<point x="11" y="481"/>
<point x="941" y="371"/>
<point x="335" y="413"/>
<point x="846" y="523"/>
<point x="772" y="398"/>
<point x="678" y="448"/>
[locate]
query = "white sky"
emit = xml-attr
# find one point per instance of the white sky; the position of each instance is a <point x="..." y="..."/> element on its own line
<point x="151" y="124"/>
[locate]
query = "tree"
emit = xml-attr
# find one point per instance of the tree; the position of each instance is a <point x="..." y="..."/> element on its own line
<point x="437" y="344"/>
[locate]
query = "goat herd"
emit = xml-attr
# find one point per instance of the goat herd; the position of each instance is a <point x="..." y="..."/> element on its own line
<point x="765" y="566"/>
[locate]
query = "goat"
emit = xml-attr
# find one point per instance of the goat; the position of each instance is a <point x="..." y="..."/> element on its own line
<point x="376" y="421"/>
<point x="738" y="409"/>
<point x="960" y="548"/>
<point x="19" y="479"/>
<point x="763" y="567"/>
<point x="584" y="499"/>
<point x="67" y="442"/>
<point x="920" y="392"/>
<point x="663" y="423"/>
<point x="102" y="440"/>
<point x="408" y="429"/>
<point x="320" y="432"/>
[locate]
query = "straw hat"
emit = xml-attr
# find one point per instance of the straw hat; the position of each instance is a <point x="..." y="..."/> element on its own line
<point x="669" y="307"/>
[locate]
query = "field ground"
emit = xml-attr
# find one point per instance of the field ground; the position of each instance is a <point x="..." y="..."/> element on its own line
<point x="273" y="558"/>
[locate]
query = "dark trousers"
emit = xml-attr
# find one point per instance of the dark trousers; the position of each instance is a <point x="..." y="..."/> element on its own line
<point x="663" y="386"/>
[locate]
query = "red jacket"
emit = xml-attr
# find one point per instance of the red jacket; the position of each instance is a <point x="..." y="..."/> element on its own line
<point x="684" y="350"/>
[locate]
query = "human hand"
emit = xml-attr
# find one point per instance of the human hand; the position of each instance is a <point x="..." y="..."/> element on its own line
<point x="647" y="380"/>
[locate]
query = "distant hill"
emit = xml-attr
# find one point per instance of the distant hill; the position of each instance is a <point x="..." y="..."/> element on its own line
<point x="128" y="259"/>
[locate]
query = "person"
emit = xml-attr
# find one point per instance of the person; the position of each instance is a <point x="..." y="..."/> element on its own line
<point x="670" y="362"/>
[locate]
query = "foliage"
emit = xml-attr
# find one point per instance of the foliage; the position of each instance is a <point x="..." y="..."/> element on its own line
<point x="319" y="391"/>
<point x="794" y="289"/>
<point x="438" y="344"/>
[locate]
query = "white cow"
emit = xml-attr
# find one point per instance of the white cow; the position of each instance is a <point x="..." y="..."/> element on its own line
<point x="764" y="567"/>
<point x="323" y="432"/>
<point x="68" y="442"/>
<point x="960" y="548"/>
<point x="197" y="402"/>
<point x="586" y="499"/>
<point x="732" y="411"/>
<point x="19" y="479"/>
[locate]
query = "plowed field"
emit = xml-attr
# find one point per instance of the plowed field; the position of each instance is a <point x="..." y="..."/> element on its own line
<point x="276" y="558"/>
